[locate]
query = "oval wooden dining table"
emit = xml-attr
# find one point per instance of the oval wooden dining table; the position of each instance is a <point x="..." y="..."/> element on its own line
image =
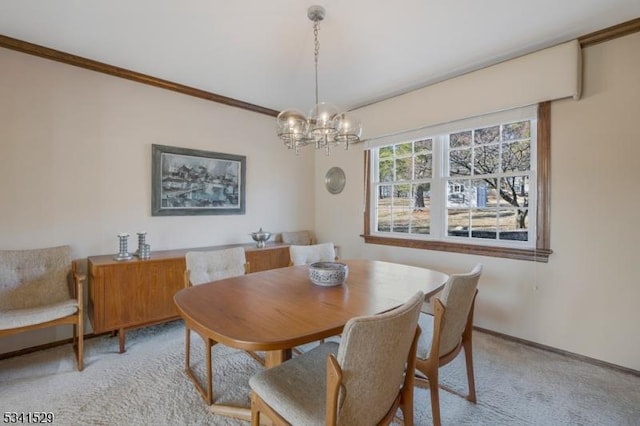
<point x="279" y="309"/>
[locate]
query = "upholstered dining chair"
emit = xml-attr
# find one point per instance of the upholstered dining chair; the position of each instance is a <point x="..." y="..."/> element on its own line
<point x="306" y="255"/>
<point x="346" y="383"/>
<point x="204" y="267"/>
<point x="446" y="332"/>
<point x="42" y="288"/>
<point x="298" y="238"/>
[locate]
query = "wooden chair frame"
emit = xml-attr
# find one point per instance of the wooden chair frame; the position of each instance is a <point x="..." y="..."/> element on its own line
<point x="76" y="319"/>
<point x="404" y="400"/>
<point x="430" y="366"/>
<point x="205" y="390"/>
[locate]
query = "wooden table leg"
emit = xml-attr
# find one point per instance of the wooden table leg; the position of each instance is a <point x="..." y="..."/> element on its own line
<point x="273" y="358"/>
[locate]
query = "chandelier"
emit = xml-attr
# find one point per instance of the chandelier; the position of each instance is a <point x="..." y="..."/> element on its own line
<point x="325" y="126"/>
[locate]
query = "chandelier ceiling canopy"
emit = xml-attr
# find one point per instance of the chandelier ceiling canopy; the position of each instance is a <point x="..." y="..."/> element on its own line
<point x="325" y="126"/>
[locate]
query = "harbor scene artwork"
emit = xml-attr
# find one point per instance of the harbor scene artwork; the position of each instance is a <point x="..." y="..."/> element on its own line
<point x="194" y="182"/>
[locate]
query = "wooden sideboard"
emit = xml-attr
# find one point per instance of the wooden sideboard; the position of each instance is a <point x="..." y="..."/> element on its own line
<point x="135" y="293"/>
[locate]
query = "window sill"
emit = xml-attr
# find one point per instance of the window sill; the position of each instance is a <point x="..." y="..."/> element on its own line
<point x="534" y="255"/>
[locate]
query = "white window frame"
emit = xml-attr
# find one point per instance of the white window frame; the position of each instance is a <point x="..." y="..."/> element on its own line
<point x="440" y="134"/>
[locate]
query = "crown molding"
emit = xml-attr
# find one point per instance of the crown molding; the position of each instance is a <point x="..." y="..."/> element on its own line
<point x="79" y="61"/>
<point x="610" y="33"/>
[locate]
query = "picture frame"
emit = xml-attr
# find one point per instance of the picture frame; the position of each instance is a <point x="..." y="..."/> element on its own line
<point x="194" y="182"/>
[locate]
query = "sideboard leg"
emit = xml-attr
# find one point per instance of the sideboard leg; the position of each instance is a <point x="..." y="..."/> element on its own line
<point x="121" y="336"/>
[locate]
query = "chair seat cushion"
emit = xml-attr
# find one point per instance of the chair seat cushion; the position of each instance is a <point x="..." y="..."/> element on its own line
<point x="296" y="389"/>
<point x="426" y="336"/>
<point x="15" y="318"/>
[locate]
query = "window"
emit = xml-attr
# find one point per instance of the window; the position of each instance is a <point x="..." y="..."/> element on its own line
<point x="472" y="186"/>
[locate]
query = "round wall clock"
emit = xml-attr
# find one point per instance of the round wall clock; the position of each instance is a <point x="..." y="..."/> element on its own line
<point x="334" y="180"/>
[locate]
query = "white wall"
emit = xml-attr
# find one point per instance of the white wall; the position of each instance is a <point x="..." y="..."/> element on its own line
<point x="585" y="299"/>
<point x="75" y="165"/>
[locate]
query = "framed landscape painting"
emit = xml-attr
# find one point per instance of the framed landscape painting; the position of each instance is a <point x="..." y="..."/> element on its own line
<point x="194" y="182"/>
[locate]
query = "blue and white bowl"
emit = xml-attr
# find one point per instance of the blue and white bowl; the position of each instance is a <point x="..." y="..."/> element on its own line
<point x="328" y="274"/>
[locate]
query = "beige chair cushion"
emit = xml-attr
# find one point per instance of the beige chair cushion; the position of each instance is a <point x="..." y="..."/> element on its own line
<point x="306" y="255"/>
<point x="16" y="318"/>
<point x="207" y="266"/>
<point x="34" y="278"/>
<point x="297" y="388"/>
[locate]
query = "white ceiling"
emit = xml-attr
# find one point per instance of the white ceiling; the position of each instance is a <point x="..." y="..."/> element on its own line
<point x="261" y="52"/>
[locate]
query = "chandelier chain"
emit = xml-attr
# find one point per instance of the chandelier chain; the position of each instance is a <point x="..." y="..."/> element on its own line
<point x="316" y="51"/>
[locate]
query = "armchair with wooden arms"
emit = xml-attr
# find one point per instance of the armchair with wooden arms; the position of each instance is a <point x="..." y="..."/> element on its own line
<point x="42" y="288"/>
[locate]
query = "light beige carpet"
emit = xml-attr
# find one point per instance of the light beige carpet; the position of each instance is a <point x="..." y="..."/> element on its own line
<point x="516" y="385"/>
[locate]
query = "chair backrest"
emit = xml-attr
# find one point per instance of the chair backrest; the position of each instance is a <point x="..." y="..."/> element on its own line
<point x="373" y="354"/>
<point x="31" y="278"/>
<point x="299" y="238"/>
<point x="306" y="255"/>
<point x="207" y="266"/>
<point x="457" y="297"/>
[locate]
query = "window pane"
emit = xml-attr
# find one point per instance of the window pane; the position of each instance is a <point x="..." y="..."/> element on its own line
<point x="460" y="139"/>
<point x="384" y="208"/>
<point x="482" y="193"/>
<point x="402" y="196"/>
<point x="486" y="159"/>
<point x="384" y="221"/>
<point x="421" y="221"/>
<point x="401" y="208"/>
<point x="514" y="191"/>
<point x="487" y="135"/>
<point x="519" y="130"/>
<point x="403" y="168"/>
<point x="422" y="146"/>
<point x="404" y="149"/>
<point x="401" y="219"/>
<point x="457" y="195"/>
<point x="421" y="196"/>
<point x="386" y="152"/>
<point x="458" y="223"/>
<point x="423" y="166"/>
<point x="484" y="224"/>
<point x="384" y="192"/>
<point x="514" y="225"/>
<point x="516" y="156"/>
<point x="421" y="214"/>
<point x="385" y="171"/>
<point x="460" y="162"/>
